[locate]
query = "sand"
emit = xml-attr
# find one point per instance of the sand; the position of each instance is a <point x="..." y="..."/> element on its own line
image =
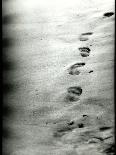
<point x="58" y="77"/>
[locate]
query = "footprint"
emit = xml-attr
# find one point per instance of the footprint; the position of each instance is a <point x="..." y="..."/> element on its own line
<point x="108" y="14"/>
<point x="75" y="90"/>
<point x="81" y="125"/>
<point x="84" y="36"/>
<point x="84" y="51"/>
<point x="84" y="39"/>
<point x="73" y="94"/>
<point x="73" y="70"/>
<point x="84" y="54"/>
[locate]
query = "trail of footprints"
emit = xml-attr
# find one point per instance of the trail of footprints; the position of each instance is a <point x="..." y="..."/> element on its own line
<point x="73" y="95"/>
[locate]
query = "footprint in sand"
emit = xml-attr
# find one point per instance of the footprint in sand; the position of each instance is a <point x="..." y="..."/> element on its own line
<point x="108" y="14"/>
<point x="75" y="90"/>
<point x="84" y="51"/>
<point x="73" y="94"/>
<point x="74" y="69"/>
<point x="85" y="36"/>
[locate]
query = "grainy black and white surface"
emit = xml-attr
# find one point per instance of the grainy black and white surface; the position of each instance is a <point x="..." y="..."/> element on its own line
<point x="58" y="61"/>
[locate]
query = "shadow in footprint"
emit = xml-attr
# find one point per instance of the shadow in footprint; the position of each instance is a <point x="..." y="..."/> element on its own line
<point x="84" y="51"/>
<point x="104" y="128"/>
<point x="74" y="69"/>
<point x="73" y="94"/>
<point x="108" y="14"/>
<point x="90" y="71"/>
<point x="87" y="33"/>
<point x="85" y="36"/>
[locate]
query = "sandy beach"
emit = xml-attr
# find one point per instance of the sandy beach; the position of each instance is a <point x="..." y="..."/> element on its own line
<point x="58" y="59"/>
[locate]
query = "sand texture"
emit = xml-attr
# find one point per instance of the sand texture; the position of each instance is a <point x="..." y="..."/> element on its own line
<point x="58" y="77"/>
